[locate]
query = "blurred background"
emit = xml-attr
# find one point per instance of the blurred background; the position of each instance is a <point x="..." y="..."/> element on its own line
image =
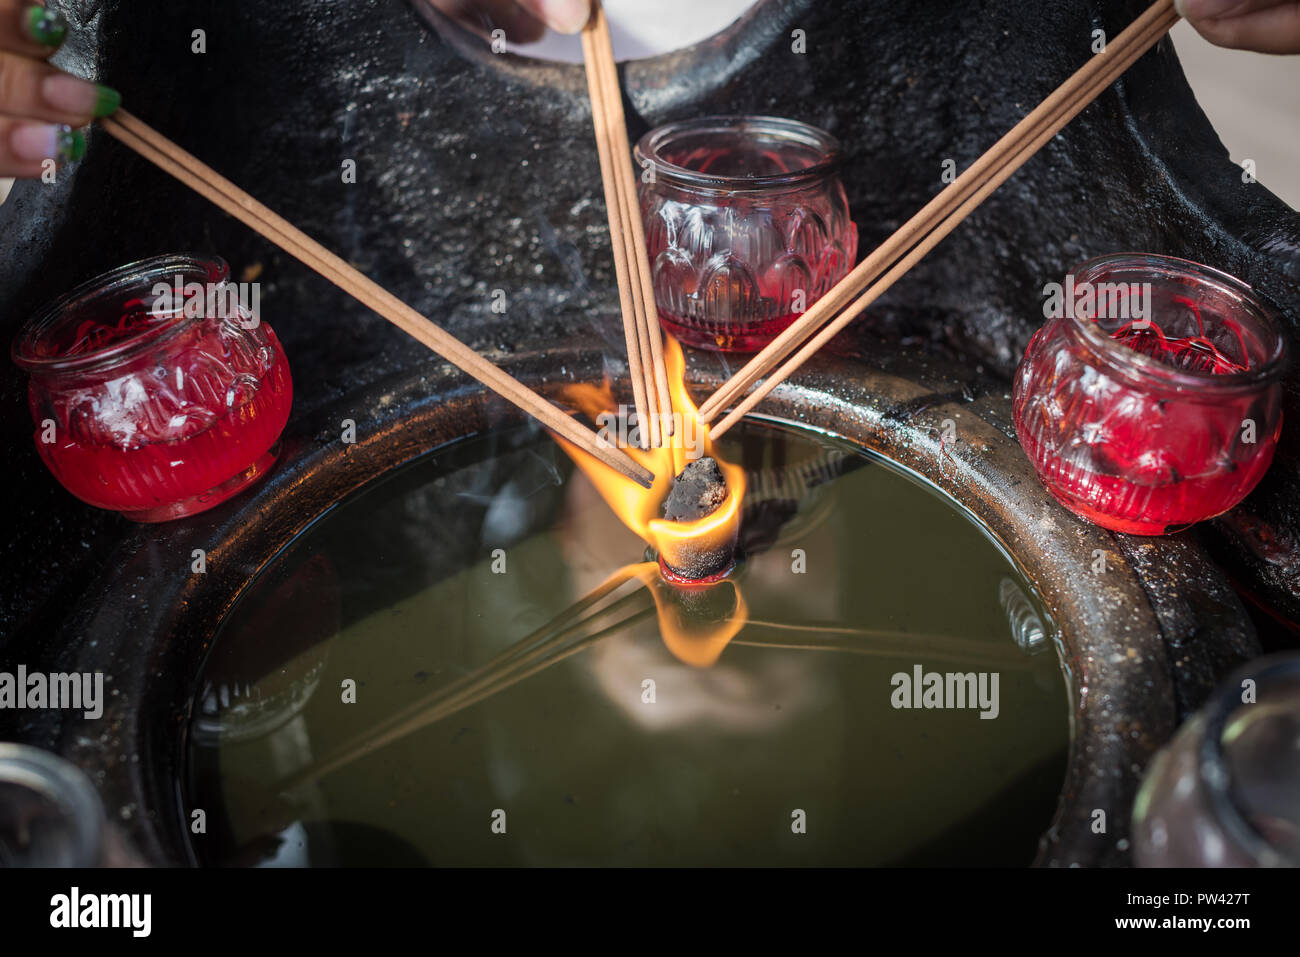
<point x="1253" y="100"/>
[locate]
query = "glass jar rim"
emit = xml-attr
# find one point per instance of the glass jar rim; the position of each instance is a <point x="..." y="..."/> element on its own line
<point x="1144" y="367"/>
<point x="1212" y="762"/>
<point x="62" y="783"/>
<point x="24" y="351"/>
<point x="649" y="149"/>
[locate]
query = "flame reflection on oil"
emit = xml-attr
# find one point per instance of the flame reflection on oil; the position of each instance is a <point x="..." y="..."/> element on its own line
<point x="689" y="622"/>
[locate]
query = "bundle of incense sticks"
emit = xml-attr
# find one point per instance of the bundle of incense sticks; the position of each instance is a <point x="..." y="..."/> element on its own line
<point x="905" y="248"/>
<point x="645" y="357"/>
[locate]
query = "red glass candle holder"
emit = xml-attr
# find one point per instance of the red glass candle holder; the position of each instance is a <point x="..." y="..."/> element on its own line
<point x="746" y="223"/>
<point x="1155" y="400"/>
<point x="156" y="392"/>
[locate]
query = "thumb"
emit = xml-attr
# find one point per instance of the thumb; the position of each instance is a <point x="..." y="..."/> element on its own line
<point x="1267" y="26"/>
<point x="564" y="16"/>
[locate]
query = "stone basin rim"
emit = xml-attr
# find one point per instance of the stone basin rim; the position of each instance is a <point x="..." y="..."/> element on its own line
<point x="1119" y="677"/>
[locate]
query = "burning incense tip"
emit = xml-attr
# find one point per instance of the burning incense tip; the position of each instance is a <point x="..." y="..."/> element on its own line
<point x="691" y="516"/>
<point x="698" y="490"/>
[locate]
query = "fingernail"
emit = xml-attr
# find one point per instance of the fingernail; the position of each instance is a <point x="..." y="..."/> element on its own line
<point x="71" y="145"/>
<point x="1205" y="9"/>
<point x="566" y="16"/>
<point x="73" y="95"/>
<point x="108" y="102"/>
<point x="44" y="26"/>
<point x="38" y="141"/>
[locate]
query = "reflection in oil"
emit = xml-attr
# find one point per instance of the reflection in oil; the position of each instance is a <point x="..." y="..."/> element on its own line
<point x="445" y="671"/>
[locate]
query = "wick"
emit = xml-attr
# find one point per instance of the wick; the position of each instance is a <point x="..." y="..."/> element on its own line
<point x="676" y="578"/>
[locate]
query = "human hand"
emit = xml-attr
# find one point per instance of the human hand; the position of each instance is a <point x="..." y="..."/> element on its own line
<point x="40" y="107"/>
<point x="524" y="21"/>
<point x="1265" y="26"/>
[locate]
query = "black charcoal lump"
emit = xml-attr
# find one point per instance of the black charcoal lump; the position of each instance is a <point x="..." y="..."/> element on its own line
<point x="697" y="491"/>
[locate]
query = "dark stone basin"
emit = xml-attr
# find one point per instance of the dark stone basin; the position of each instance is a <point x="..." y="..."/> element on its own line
<point x="476" y="173"/>
<point x="1139" y="652"/>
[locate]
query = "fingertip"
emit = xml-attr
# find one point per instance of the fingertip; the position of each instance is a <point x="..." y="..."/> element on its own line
<point x="44" y="27"/>
<point x="1206" y="9"/>
<point x="562" y="16"/>
<point x="1244" y="33"/>
<point x="33" y="142"/>
<point x="32" y="145"/>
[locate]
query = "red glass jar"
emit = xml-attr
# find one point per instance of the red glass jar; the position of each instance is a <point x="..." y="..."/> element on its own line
<point x="156" y="391"/>
<point x="1156" y="403"/>
<point x="746" y="223"/>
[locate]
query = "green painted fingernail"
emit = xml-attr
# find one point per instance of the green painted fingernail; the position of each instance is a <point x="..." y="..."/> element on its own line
<point x="107" y="102"/>
<point x="71" y="145"/>
<point x="44" y="26"/>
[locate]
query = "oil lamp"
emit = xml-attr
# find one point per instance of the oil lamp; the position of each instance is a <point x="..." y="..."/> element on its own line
<point x="150" y="403"/>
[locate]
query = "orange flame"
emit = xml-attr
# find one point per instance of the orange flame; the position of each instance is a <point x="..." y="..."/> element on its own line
<point x="694" y="639"/>
<point x="678" y="543"/>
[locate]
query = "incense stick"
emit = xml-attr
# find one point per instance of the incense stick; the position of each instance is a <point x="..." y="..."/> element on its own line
<point x="548" y="645"/>
<point x="631" y="204"/>
<point x="169" y="157"/>
<point x="636" y="279"/>
<point x="880" y="643"/>
<point x="994" y="166"/>
<point x="617" y="234"/>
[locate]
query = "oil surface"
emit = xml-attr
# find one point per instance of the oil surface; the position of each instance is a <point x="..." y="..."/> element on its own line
<point x="605" y="747"/>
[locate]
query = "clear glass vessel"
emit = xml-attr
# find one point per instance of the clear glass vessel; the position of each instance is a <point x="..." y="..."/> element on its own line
<point x="1155" y="400"/>
<point x="747" y="225"/>
<point x="155" y="390"/>
<point x="1225" y="791"/>
<point x="50" y="815"/>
